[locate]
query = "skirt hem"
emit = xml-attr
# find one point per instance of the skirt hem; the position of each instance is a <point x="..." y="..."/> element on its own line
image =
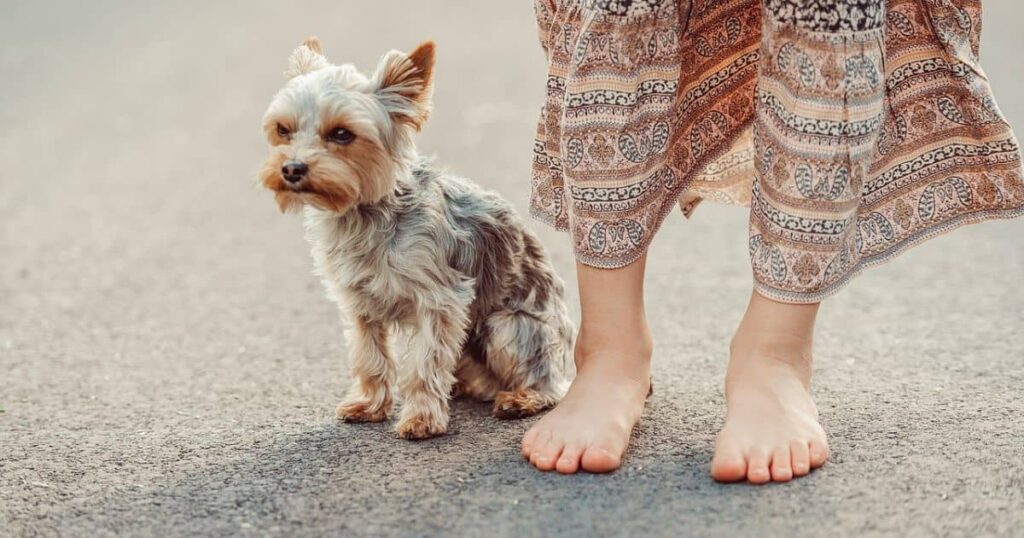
<point x="887" y="255"/>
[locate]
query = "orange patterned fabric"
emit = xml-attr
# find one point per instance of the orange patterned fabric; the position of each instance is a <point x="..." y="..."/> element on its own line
<point x="852" y="129"/>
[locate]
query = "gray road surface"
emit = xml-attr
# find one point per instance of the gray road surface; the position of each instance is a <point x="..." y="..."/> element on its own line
<point x="169" y="366"/>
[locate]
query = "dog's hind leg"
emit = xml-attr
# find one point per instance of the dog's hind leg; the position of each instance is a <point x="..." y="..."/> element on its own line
<point x="473" y="379"/>
<point x="369" y="398"/>
<point x="530" y="354"/>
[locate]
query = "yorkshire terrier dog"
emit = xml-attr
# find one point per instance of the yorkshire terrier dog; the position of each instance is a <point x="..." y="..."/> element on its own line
<point x="403" y="247"/>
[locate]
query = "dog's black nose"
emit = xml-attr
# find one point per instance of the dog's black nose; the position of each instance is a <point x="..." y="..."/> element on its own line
<point x="294" y="172"/>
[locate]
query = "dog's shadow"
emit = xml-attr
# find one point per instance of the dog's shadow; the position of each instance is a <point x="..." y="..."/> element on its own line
<point x="363" y="479"/>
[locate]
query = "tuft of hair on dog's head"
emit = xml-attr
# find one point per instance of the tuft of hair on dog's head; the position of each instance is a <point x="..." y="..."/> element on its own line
<point x="309" y="57"/>
<point x="339" y="138"/>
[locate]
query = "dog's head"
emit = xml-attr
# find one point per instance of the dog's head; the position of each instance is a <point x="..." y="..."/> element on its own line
<point x="339" y="138"/>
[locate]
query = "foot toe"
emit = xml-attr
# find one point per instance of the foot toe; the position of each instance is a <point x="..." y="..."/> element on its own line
<point x="546" y="457"/>
<point x="533" y="438"/>
<point x="757" y="467"/>
<point x="600" y="459"/>
<point x="781" y="468"/>
<point x="818" y="453"/>
<point x="728" y="465"/>
<point x="569" y="461"/>
<point x="800" y="458"/>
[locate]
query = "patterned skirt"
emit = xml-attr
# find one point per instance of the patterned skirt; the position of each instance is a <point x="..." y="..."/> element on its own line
<point x="853" y="129"/>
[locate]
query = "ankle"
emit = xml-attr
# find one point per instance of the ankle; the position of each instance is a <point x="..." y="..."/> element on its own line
<point x="625" y="360"/>
<point x="753" y="353"/>
<point x="628" y="343"/>
<point x="783" y="346"/>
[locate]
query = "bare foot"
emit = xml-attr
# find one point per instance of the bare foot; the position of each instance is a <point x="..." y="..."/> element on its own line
<point x="590" y="428"/>
<point x="771" y="427"/>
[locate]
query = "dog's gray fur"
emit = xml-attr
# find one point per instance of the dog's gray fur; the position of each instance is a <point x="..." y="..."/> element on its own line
<point x="400" y="245"/>
<point x="453" y="265"/>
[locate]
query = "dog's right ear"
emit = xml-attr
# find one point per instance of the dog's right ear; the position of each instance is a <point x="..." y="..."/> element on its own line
<point x="307" y="58"/>
<point x="405" y="83"/>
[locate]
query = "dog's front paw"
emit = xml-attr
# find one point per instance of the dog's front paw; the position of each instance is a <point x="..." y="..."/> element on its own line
<point x="419" y="427"/>
<point x="358" y="411"/>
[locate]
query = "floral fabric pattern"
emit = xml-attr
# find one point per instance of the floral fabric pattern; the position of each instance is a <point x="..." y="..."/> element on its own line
<point x="852" y="129"/>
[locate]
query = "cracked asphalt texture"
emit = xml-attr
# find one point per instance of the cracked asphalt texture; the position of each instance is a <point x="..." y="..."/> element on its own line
<point x="169" y="366"/>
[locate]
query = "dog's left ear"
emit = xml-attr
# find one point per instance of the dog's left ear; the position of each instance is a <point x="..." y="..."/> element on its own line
<point x="405" y="83"/>
<point x="307" y="58"/>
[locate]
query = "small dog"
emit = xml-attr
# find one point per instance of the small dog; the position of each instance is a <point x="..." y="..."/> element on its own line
<point x="402" y="246"/>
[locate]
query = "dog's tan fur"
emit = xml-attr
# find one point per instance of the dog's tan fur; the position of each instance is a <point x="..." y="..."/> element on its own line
<point x="404" y="248"/>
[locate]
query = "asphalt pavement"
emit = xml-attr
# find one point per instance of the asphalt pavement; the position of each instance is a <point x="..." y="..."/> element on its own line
<point x="169" y="366"/>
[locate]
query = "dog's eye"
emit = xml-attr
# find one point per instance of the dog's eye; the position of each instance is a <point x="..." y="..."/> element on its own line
<point x="283" y="131"/>
<point x="341" y="136"/>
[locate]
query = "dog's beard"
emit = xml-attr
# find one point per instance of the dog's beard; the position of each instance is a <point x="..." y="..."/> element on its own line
<point x="333" y="198"/>
<point x="327" y="187"/>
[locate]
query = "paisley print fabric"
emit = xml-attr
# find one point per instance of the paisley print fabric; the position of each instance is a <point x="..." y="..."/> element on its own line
<point x="852" y="129"/>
